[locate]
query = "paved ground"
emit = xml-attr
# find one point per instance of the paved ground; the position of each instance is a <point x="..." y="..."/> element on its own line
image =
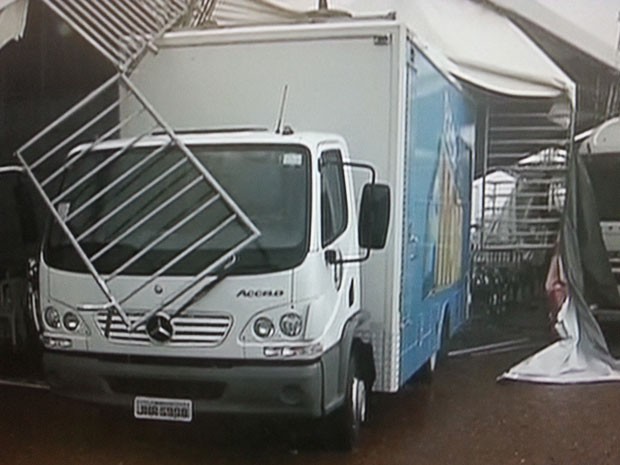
<point x="462" y="417"/>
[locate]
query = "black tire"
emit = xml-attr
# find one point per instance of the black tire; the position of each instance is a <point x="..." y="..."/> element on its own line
<point x="346" y="422"/>
<point x="428" y="369"/>
<point x="445" y="339"/>
<point x="425" y="374"/>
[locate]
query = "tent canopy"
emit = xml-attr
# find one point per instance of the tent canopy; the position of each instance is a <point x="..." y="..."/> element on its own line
<point x="12" y="20"/>
<point x="602" y="46"/>
<point x="480" y="45"/>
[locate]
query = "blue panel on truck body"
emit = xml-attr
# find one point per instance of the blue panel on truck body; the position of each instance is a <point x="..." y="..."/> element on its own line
<point x="438" y="160"/>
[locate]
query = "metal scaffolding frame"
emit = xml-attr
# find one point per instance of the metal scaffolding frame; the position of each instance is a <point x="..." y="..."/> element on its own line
<point x="123" y="31"/>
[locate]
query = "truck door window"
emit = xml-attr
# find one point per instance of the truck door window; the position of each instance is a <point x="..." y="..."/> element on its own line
<point x="333" y="197"/>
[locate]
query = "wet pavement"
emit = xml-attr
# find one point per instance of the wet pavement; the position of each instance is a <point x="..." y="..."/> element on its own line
<point x="462" y="417"/>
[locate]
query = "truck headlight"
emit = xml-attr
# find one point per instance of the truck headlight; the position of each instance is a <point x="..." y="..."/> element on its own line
<point x="70" y="321"/>
<point x="52" y="317"/>
<point x="263" y="327"/>
<point x="291" y="324"/>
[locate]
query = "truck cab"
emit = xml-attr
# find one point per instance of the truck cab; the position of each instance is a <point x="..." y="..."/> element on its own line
<point x="283" y="317"/>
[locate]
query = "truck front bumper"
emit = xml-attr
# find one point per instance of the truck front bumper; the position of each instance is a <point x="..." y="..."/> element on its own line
<point x="229" y="387"/>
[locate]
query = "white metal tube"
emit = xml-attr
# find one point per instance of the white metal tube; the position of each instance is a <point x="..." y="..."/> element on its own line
<point x="80" y="131"/>
<point x="131" y="199"/>
<point x="89" y="266"/>
<point x="192" y="158"/>
<point x="162" y="237"/>
<point x="117" y="181"/>
<point x="144" y="219"/>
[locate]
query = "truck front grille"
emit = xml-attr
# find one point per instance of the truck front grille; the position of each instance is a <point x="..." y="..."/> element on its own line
<point x="190" y="330"/>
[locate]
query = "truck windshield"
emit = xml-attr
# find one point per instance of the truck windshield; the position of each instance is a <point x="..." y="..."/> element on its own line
<point x="269" y="183"/>
<point x="604" y="169"/>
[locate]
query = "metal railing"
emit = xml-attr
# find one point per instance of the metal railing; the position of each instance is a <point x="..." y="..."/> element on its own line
<point x="121" y="30"/>
<point x="112" y="123"/>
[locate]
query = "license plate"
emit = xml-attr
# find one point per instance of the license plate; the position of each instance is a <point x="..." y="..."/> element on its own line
<point x="154" y="408"/>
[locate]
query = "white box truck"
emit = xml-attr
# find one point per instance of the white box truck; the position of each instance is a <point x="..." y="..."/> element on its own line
<point x="303" y="321"/>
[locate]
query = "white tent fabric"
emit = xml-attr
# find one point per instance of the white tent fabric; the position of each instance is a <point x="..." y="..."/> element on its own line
<point x="580" y="356"/>
<point x="487" y="49"/>
<point x="242" y="12"/>
<point x="602" y="45"/>
<point x="482" y="46"/>
<point x="12" y="20"/>
<point x="579" y="268"/>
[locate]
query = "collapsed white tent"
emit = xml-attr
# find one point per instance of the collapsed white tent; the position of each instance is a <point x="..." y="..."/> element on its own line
<point x="580" y="356"/>
<point x="12" y="20"/>
<point x="581" y="273"/>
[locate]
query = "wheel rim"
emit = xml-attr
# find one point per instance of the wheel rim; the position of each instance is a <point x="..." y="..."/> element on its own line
<point x="358" y="400"/>
<point x="433" y="361"/>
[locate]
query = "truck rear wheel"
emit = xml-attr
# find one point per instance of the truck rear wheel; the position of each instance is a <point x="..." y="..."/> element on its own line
<point x="347" y="420"/>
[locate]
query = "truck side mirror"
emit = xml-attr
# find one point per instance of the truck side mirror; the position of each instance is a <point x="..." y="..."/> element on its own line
<point x="374" y="216"/>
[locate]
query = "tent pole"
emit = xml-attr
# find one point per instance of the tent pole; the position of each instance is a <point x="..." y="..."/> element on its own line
<point x="485" y="167"/>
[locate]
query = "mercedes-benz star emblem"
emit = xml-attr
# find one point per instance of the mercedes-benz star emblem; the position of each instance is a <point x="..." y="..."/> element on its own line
<point x="159" y="327"/>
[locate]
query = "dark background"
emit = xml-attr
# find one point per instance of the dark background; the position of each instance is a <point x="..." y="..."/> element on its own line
<point x="41" y="76"/>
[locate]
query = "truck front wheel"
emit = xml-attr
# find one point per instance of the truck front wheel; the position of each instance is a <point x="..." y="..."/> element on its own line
<point x="347" y="420"/>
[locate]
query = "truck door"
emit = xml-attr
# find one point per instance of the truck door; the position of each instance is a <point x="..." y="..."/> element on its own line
<point x="336" y="227"/>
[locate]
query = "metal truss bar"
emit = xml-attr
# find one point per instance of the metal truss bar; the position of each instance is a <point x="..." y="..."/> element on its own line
<point x="71" y="159"/>
<point x="132" y="14"/>
<point x="193" y="159"/>
<point x="521" y="142"/>
<point x="158" y="19"/>
<point x="144" y="219"/>
<point x="92" y="172"/>
<point x="167" y="24"/>
<point x="530" y="115"/>
<point x="554" y="168"/>
<point x="97" y="24"/>
<point x="536" y="221"/>
<point x="117" y="181"/>
<point x="120" y="29"/>
<point x="80" y="105"/>
<point x="516" y="157"/>
<point x="130" y="200"/>
<point x="532" y="208"/>
<point x="166" y="234"/>
<point x="85" y="30"/>
<point x="541" y="181"/>
<point x="204" y="274"/>
<point x="200" y="241"/>
<point x="527" y="129"/>
<point x="109" y="28"/>
<point x="72" y="137"/>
